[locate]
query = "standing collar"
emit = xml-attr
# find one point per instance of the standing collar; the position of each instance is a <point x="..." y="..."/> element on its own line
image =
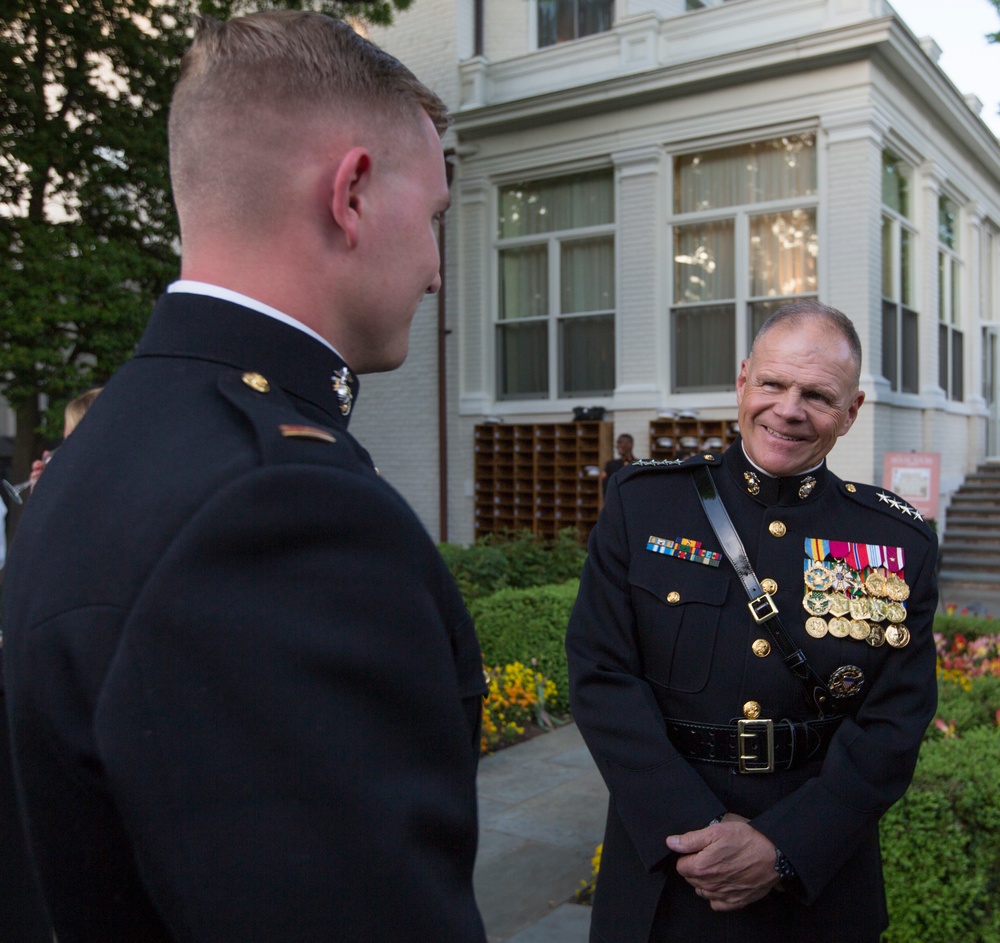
<point x="768" y="490"/>
<point x="206" y="327"/>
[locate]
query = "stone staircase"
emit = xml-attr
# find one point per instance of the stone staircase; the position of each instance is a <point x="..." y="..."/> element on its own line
<point x="970" y="550"/>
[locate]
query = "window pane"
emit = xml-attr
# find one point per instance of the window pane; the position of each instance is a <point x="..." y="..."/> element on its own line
<point x="703" y="261"/>
<point x="588" y="354"/>
<point x="750" y="173"/>
<point x="524" y="283"/>
<point x="783" y="250"/>
<point x="942" y="286"/>
<point x="555" y="21"/>
<point x="888" y="259"/>
<point x="549" y="205"/>
<point x="594" y="16"/>
<point x="957" y="373"/>
<point x="947" y="231"/>
<point x="523" y="359"/>
<point x="895" y="192"/>
<point x="955" y="283"/>
<point x="704" y="348"/>
<point x="588" y="275"/>
<point x="943" y="359"/>
<point x="911" y="359"/>
<point x="759" y="312"/>
<point x="905" y="268"/>
<point x="890" y="342"/>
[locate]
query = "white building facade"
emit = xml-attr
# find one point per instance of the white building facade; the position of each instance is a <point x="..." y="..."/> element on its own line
<point x="639" y="183"/>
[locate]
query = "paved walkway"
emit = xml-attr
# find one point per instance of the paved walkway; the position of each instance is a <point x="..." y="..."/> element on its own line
<point x="542" y="805"/>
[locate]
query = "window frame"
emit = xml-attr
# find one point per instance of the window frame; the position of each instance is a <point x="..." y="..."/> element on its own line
<point x="742" y="302"/>
<point x="577" y="35"/>
<point x="554" y="318"/>
<point x="951" y="334"/>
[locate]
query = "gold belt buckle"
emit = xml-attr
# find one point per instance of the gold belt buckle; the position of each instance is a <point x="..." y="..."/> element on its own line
<point x="749" y="730"/>
<point x="762" y="608"/>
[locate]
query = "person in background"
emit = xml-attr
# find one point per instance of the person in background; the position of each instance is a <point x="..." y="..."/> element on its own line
<point x="75" y="410"/>
<point x="624" y="444"/>
<point x="752" y="665"/>
<point x="245" y="691"/>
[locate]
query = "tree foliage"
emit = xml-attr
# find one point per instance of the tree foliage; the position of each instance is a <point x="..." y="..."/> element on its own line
<point x="88" y="235"/>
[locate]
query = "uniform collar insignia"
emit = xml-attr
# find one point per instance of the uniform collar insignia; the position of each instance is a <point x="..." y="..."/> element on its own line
<point x="343" y="387"/>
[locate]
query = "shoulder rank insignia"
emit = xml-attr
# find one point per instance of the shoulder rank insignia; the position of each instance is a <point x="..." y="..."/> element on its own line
<point x="899" y="505"/>
<point x="306" y="432"/>
<point x="655" y="462"/>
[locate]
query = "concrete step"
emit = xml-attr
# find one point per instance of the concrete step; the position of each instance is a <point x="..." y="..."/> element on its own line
<point x="977" y="563"/>
<point x="987" y="549"/>
<point x="959" y="578"/>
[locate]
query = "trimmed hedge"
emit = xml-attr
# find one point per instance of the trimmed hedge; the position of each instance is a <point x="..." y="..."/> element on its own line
<point x="970" y="626"/>
<point x="941" y="844"/>
<point x="525" y="624"/>
<point x="514" y="559"/>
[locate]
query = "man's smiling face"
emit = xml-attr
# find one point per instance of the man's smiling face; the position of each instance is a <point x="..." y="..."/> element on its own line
<point x="797" y="394"/>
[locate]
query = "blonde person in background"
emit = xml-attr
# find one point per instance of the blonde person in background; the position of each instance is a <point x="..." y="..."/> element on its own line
<point x="75" y="410"/>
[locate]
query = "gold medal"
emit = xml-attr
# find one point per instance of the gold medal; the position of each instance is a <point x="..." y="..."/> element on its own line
<point x="840" y="605"/>
<point x="895" y="611"/>
<point x="861" y="608"/>
<point x="876" y="637"/>
<point x="816" y="604"/>
<point x="897" y="635"/>
<point x="816" y="626"/>
<point x="859" y="629"/>
<point x="818" y="577"/>
<point x="878" y="610"/>
<point x="875" y="584"/>
<point x="840" y="628"/>
<point x="896" y="589"/>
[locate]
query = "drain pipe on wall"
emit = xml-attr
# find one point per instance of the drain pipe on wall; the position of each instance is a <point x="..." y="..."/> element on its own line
<point x="442" y="365"/>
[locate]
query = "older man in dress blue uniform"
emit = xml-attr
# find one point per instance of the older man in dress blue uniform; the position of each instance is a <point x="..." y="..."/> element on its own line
<point x="244" y="690"/>
<point x="748" y="771"/>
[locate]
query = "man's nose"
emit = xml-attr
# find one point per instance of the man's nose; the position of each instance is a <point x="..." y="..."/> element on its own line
<point x="435" y="286"/>
<point x="791" y="406"/>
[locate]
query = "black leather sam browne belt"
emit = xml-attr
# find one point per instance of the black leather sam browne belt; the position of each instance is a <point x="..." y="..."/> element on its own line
<point x="763" y="745"/>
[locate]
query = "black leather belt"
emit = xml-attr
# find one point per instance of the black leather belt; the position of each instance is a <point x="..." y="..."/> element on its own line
<point x="754" y="746"/>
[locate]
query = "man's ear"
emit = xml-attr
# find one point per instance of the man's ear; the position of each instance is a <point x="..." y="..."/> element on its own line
<point x="351" y="180"/>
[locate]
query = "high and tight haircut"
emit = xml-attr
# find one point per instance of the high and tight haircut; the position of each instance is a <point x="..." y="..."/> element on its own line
<point x="287" y="63"/>
<point x="796" y="312"/>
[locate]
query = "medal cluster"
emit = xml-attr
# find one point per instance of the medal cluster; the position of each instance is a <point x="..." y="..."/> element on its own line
<point x="856" y="602"/>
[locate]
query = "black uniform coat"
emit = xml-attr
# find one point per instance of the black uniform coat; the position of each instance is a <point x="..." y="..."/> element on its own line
<point x="636" y="658"/>
<point x="244" y="690"/>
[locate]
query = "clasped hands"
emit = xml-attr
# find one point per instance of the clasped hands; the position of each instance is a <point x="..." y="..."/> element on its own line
<point x="730" y="864"/>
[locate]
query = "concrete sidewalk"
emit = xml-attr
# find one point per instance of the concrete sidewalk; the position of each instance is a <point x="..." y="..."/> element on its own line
<point x="542" y="806"/>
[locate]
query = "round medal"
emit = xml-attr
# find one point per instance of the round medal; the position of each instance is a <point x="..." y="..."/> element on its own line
<point x="875" y="584"/>
<point x="846" y="681"/>
<point x="876" y="637"/>
<point x="859" y="629"/>
<point x="840" y="628"/>
<point x="897" y="636"/>
<point x="895" y="612"/>
<point x="816" y="626"/>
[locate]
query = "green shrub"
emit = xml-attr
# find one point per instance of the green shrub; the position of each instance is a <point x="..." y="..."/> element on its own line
<point x="967" y="703"/>
<point x="941" y="844"/>
<point x="525" y="624"/>
<point x="517" y="559"/>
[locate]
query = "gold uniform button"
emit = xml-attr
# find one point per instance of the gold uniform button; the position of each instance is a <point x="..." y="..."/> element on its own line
<point x="256" y="382"/>
<point x="673" y="596"/>
<point x="708" y="458"/>
<point x="777" y="529"/>
<point x="761" y="648"/>
<point x="769" y="587"/>
<point x="751" y="710"/>
<point x="850" y="487"/>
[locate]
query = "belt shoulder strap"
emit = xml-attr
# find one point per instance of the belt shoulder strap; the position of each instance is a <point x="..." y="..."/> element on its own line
<point x="761" y="605"/>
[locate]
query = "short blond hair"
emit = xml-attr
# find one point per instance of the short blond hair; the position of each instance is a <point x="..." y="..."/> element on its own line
<point x="77" y="408"/>
<point x="244" y="80"/>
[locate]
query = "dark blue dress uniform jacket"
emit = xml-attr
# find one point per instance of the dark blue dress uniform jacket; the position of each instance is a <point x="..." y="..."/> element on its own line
<point x="636" y="658"/>
<point x="244" y="690"/>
